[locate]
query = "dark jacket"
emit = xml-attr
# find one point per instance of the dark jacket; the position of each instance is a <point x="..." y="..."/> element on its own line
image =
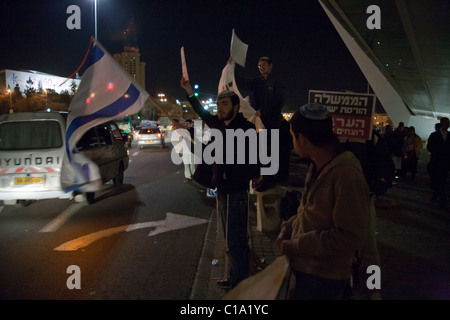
<point x="439" y="151"/>
<point x="238" y="176"/>
<point x="267" y="96"/>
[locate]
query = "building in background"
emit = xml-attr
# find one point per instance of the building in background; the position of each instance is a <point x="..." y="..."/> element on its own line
<point x="130" y="60"/>
<point x="39" y="81"/>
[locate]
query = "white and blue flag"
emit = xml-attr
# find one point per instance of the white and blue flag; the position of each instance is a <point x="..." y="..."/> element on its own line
<point x="106" y="92"/>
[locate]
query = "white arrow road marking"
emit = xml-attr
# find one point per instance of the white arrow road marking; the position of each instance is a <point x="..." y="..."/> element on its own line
<point x="171" y="222"/>
<point x="62" y="218"/>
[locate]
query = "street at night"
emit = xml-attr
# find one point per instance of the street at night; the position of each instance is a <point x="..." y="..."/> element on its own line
<point x="156" y="261"/>
<point x="310" y="157"/>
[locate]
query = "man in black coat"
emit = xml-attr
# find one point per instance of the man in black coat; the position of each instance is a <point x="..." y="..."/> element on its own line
<point x="439" y="147"/>
<point x="232" y="179"/>
<point x="267" y="98"/>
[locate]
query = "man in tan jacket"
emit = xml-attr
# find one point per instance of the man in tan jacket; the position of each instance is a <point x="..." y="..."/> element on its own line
<point x="333" y="217"/>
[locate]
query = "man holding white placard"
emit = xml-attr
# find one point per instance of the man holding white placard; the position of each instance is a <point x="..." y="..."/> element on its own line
<point x="267" y="98"/>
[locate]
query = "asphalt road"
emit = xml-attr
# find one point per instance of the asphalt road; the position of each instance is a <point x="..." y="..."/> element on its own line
<point x="140" y="242"/>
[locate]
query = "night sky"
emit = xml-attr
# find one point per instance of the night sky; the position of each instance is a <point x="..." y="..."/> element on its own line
<point x="306" y="50"/>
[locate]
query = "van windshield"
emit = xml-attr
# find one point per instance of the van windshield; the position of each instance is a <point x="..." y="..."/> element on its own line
<point x="30" y="135"/>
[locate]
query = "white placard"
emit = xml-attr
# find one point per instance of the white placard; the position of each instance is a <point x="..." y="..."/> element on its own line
<point x="238" y="50"/>
<point x="183" y="65"/>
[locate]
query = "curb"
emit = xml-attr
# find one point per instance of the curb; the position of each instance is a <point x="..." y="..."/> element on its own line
<point x="204" y="287"/>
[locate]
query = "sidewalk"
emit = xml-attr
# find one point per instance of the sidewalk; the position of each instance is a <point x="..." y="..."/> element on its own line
<point x="413" y="237"/>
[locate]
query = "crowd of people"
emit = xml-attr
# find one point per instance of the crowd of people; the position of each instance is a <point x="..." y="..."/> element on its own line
<point x="405" y="147"/>
<point x="335" y="218"/>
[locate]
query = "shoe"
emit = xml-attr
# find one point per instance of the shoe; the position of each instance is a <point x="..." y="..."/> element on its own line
<point x="265" y="185"/>
<point x="187" y="180"/>
<point x="224" y="284"/>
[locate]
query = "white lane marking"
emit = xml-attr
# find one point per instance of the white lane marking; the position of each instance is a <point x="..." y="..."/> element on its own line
<point x="56" y="223"/>
<point x="171" y="222"/>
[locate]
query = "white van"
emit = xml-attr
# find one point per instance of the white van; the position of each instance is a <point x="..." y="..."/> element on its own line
<point x="32" y="146"/>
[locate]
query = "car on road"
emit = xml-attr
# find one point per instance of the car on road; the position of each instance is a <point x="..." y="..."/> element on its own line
<point x="150" y="137"/>
<point x="105" y="144"/>
<point x="32" y="148"/>
<point x="136" y="132"/>
<point x="31" y="154"/>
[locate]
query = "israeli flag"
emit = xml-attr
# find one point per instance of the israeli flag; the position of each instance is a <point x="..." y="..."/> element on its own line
<point x="106" y="92"/>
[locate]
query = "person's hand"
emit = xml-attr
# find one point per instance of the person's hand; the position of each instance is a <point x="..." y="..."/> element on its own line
<point x="186" y="85"/>
<point x="287" y="248"/>
<point x="281" y="237"/>
<point x="177" y="125"/>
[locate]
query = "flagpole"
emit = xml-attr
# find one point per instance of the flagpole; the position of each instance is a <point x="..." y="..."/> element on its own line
<point x="91" y="43"/>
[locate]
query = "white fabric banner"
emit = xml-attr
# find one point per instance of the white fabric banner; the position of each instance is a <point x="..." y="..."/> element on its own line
<point x="228" y="82"/>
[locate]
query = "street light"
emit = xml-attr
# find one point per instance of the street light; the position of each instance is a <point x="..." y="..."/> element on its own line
<point x="95" y="18"/>
<point x="162" y="97"/>
<point x="10" y="101"/>
<point x="196" y="90"/>
<point x="46" y="98"/>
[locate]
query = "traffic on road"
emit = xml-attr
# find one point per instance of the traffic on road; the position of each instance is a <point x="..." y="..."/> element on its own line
<point x="138" y="240"/>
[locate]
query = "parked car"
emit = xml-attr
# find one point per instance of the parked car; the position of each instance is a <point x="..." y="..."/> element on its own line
<point x="32" y="147"/>
<point x="150" y="137"/>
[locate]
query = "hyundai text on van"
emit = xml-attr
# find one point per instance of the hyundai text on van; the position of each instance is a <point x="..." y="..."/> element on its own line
<point x="32" y="146"/>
